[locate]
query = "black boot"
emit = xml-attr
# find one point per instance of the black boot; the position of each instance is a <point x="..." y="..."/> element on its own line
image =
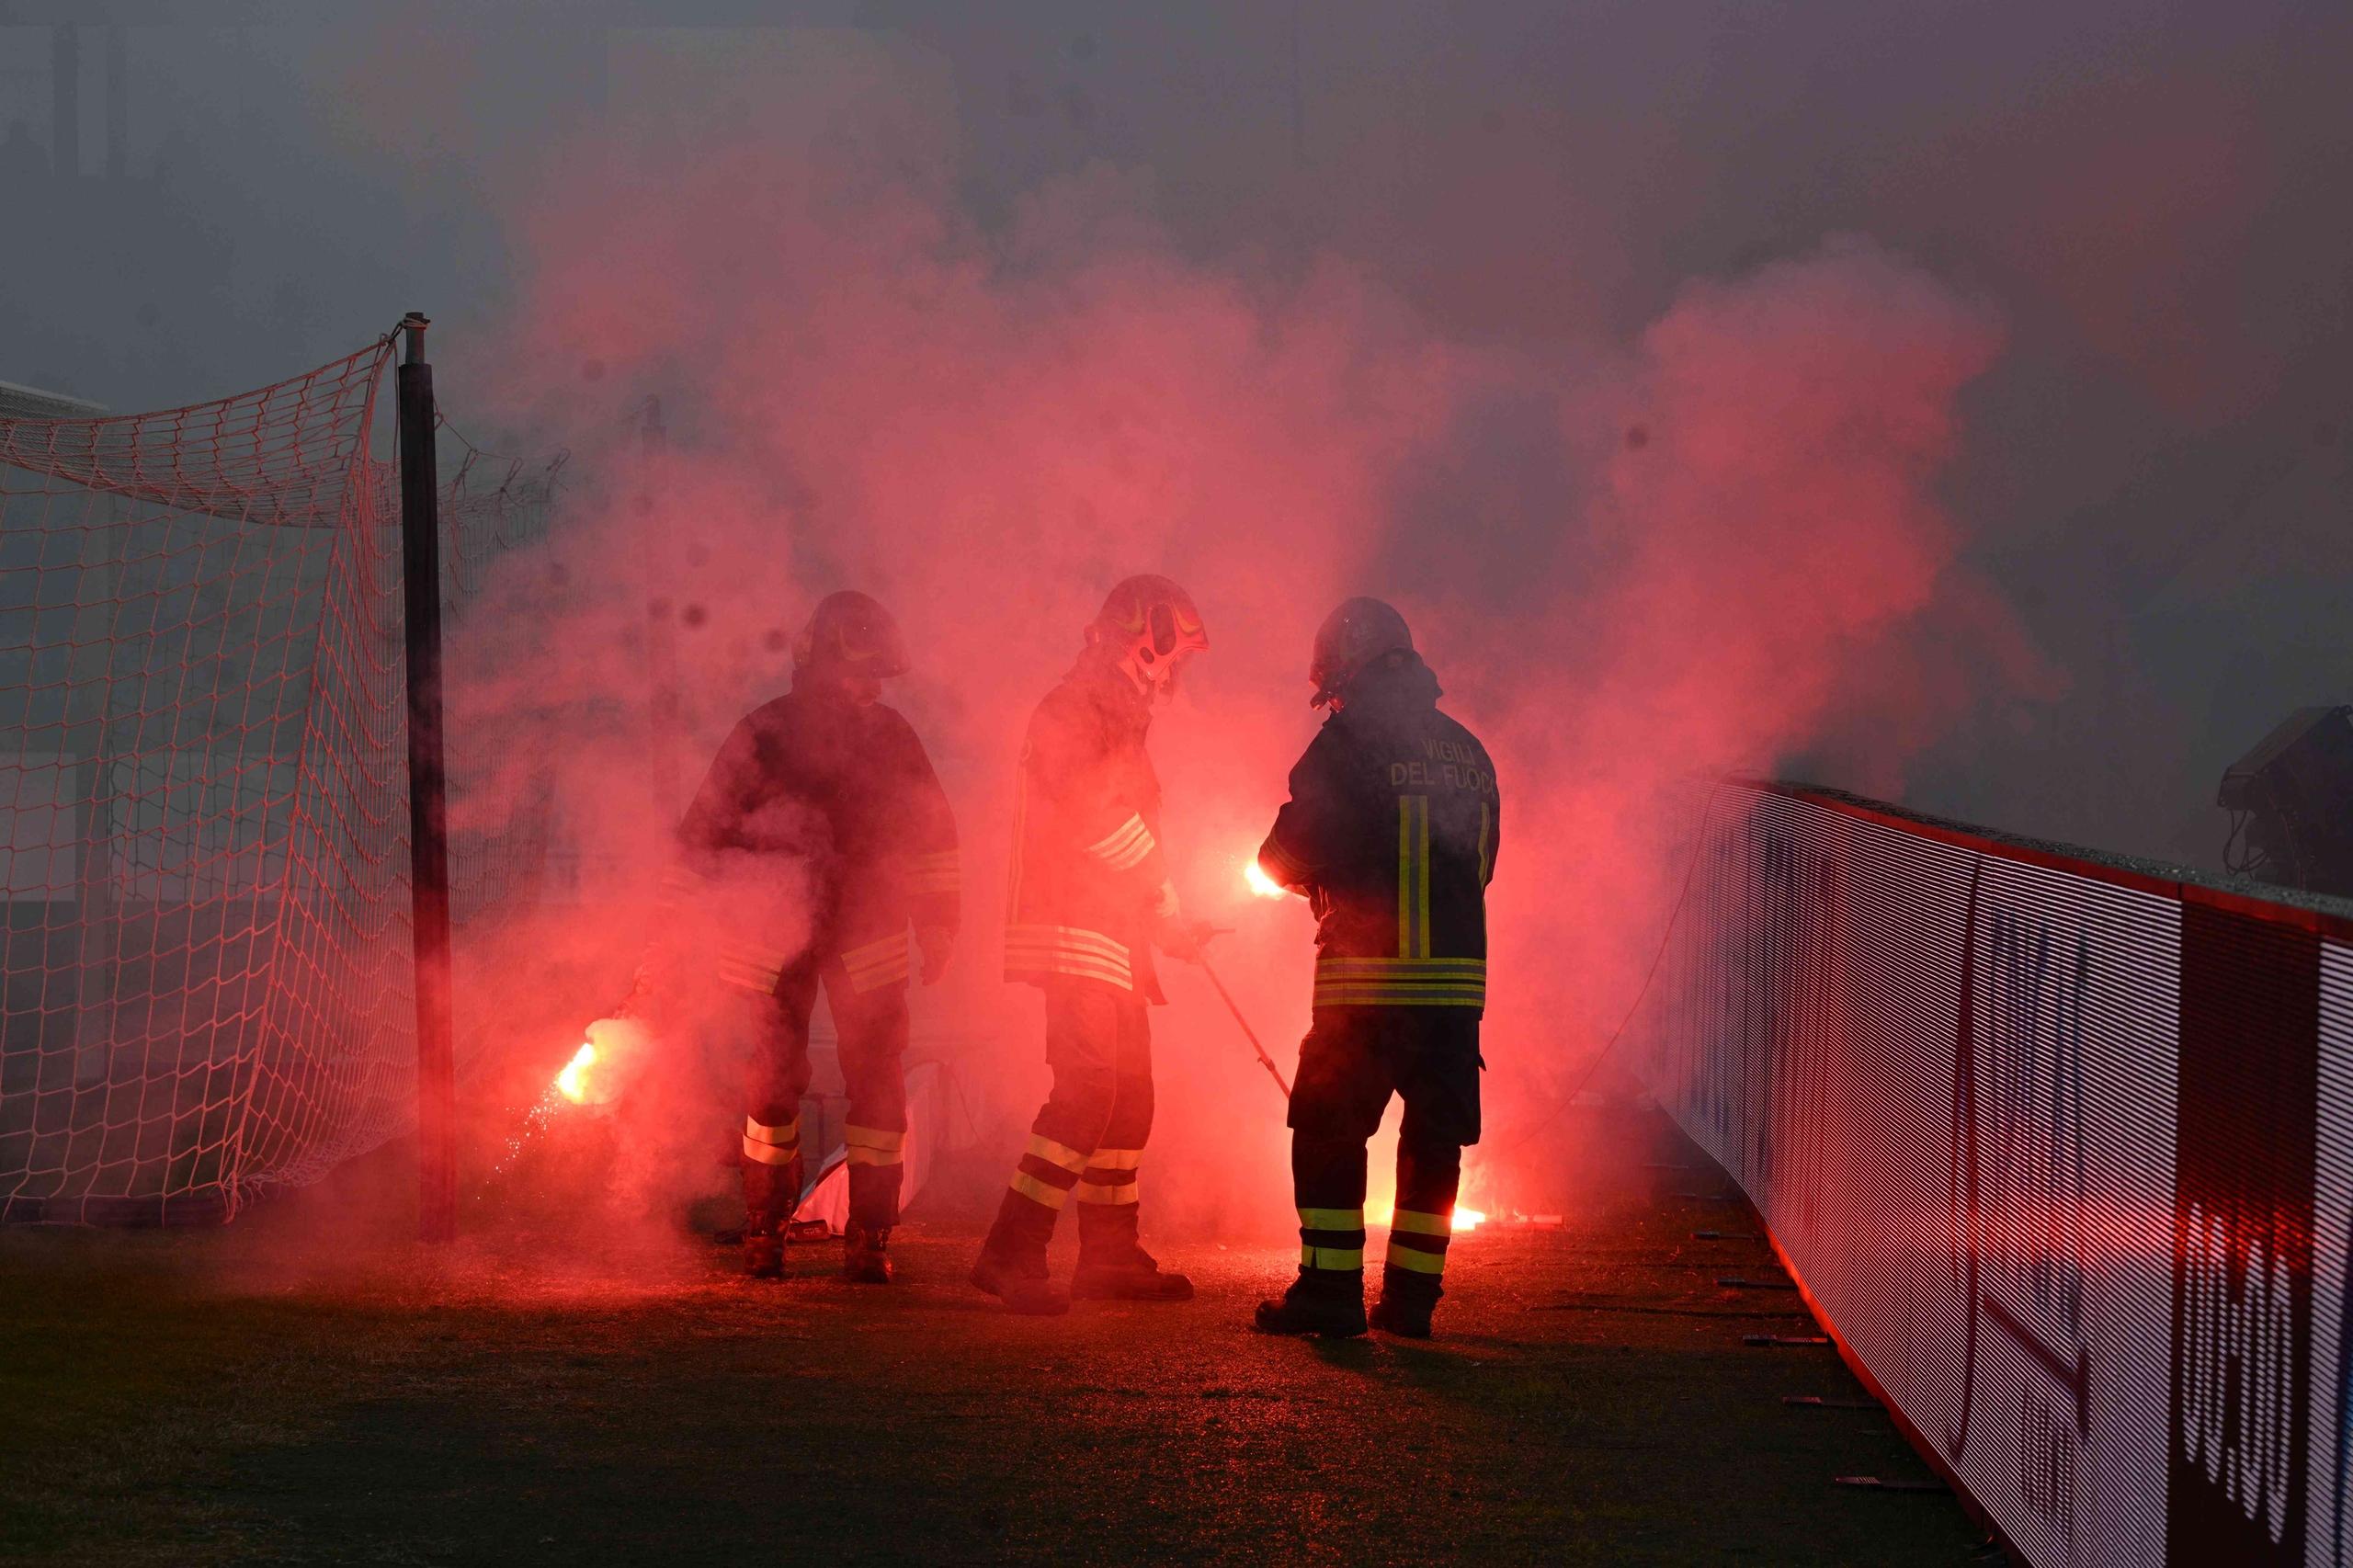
<point x="1012" y="1265"/>
<point x="763" y="1250"/>
<point x="1321" y="1301"/>
<point x="1113" y="1266"/>
<point x="1407" y="1299"/>
<point x="865" y="1256"/>
<point x="770" y="1195"/>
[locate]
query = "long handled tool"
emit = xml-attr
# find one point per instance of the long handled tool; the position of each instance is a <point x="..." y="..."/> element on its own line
<point x="1248" y="1032"/>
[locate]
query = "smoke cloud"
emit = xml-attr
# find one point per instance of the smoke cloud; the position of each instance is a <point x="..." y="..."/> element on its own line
<point x="1718" y="544"/>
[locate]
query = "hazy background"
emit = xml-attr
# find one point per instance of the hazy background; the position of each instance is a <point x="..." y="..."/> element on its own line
<point x="2153" y="195"/>
<point x="1948" y="401"/>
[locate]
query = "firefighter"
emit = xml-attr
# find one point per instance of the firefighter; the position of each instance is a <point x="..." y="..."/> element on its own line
<point x="1391" y="833"/>
<point x="1090" y="899"/>
<point x="838" y="789"/>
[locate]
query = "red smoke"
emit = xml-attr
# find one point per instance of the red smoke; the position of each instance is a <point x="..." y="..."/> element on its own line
<point x="985" y="425"/>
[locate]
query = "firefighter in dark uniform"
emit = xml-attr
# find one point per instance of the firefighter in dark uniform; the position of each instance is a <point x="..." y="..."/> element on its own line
<point x="1090" y="898"/>
<point x="1391" y="833"/>
<point x="840" y="790"/>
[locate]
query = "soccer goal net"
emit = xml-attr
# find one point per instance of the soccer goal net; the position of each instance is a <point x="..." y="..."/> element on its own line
<point x="206" y="981"/>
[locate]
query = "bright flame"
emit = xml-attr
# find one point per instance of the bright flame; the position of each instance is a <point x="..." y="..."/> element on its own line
<point x="1380" y="1214"/>
<point x="1259" y="882"/>
<point x="573" y="1082"/>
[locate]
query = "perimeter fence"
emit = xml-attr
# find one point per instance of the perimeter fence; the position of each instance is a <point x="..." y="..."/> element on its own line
<point x="2062" y="1148"/>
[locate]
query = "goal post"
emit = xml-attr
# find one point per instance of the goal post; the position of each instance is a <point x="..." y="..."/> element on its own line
<point x="209" y="850"/>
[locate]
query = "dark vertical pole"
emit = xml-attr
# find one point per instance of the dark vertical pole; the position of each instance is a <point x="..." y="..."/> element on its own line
<point x="429" y="826"/>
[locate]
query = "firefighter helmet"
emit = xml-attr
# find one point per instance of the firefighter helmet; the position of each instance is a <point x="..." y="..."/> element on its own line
<point x="1351" y="637"/>
<point x="1146" y="625"/>
<point x="849" y="629"/>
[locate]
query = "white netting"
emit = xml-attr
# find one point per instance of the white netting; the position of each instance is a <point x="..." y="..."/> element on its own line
<point x="205" y="984"/>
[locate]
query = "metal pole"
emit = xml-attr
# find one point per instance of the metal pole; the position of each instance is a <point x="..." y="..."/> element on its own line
<point x="1248" y="1032"/>
<point x="428" y="825"/>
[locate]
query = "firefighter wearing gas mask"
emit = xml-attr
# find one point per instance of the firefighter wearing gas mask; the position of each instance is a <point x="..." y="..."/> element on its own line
<point x="838" y="791"/>
<point x="1090" y="899"/>
<point x="1391" y="833"/>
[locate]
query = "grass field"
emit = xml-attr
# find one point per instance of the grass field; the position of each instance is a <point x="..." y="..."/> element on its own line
<point x="194" y="1398"/>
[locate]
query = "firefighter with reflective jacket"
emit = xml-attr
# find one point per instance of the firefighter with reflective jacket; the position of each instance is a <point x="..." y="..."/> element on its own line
<point x="1391" y="832"/>
<point x="839" y="789"/>
<point x="1090" y="899"/>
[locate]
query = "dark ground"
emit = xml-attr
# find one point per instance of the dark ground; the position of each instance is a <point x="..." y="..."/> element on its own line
<point x="169" y="1399"/>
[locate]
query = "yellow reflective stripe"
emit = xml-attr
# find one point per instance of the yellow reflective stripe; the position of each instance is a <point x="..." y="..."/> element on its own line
<point x="1414" y="876"/>
<point x="1331" y="1219"/>
<point x="1020" y="836"/>
<point x="771" y="1153"/>
<point x="1393" y="999"/>
<point x="736" y="969"/>
<point x="1422" y="1224"/>
<point x="1096" y="1192"/>
<point x="1133" y="855"/>
<point x="1417" y="1262"/>
<point x="859" y="1156"/>
<point x="1063" y="949"/>
<point x="1055" y="1154"/>
<point x="1124" y="846"/>
<point x="1331" y="1257"/>
<point x="1486" y="834"/>
<point x="876" y="964"/>
<point x="1422" y="874"/>
<point x="1072" y="936"/>
<point x="1400" y="982"/>
<point x="1116" y="1159"/>
<point x="784" y="1132"/>
<point x="938" y="872"/>
<point x="1351" y="963"/>
<point x="883" y="1138"/>
<point x="1405" y="873"/>
<point x="1036" y="1191"/>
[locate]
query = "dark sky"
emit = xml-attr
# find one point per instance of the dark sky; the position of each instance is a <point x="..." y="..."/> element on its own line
<point x="2155" y="473"/>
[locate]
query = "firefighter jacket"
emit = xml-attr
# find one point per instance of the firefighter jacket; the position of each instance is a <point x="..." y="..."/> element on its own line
<point x="1089" y="881"/>
<point x="847" y="793"/>
<point x="1390" y="830"/>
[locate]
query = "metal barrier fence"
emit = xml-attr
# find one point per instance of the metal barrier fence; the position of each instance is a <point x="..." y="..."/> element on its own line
<point x="2062" y="1147"/>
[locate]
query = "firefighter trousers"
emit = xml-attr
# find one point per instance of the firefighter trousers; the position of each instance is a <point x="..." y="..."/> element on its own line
<point x="1088" y="1139"/>
<point x="871" y="1027"/>
<point x="1351" y="1062"/>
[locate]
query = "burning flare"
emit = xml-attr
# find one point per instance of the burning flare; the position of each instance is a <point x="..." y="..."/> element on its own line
<point x="1256" y="878"/>
<point x="573" y="1082"/>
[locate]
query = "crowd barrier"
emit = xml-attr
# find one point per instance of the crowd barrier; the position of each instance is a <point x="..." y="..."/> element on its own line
<point x="2060" y="1146"/>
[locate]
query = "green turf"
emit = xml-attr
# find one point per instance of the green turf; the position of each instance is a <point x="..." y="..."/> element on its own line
<point x="199" y="1398"/>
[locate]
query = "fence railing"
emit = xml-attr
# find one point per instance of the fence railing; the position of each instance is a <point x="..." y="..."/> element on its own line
<point x="2061" y="1145"/>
